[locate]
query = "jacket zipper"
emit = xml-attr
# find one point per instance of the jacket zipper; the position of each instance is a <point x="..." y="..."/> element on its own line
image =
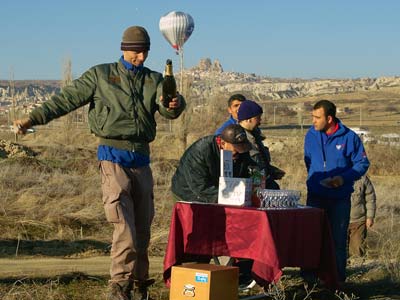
<point x="323" y="151"/>
<point x="132" y="85"/>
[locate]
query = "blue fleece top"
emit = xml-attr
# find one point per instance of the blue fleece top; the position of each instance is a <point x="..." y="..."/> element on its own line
<point x="125" y="158"/>
<point x="129" y="66"/>
<point x="230" y="121"/>
<point x="339" y="154"/>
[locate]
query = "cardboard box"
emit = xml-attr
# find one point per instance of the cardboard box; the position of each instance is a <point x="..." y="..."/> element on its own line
<point x="234" y="191"/>
<point x="204" y="282"/>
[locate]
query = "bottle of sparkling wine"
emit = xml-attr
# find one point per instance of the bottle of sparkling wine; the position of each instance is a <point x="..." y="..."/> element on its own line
<point x="258" y="183"/>
<point x="169" y="84"/>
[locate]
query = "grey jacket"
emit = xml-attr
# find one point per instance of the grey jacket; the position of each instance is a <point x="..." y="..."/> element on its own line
<point x="363" y="200"/>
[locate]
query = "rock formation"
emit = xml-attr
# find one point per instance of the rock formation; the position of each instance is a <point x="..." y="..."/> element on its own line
<point x="209" y="77"/>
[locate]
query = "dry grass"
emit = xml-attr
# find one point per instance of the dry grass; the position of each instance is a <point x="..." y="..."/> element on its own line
<point x="57" y="195"/>
<point x="70" y="286"/>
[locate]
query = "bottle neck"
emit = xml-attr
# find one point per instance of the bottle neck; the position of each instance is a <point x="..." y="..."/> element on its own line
<point x="168" y="70"/>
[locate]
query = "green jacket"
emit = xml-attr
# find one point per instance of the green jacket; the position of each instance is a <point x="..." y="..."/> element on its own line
<point x="121" y="105"/>
<point x="197" y="177"/>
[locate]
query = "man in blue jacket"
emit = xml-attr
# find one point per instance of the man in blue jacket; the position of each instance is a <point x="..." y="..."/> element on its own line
<point x="234" y="102"/>
<point x="335" y="157"/>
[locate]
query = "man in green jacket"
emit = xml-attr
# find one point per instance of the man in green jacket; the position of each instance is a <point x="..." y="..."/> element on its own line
<point x="196" y="178"/>
<point x="123" y="98"/>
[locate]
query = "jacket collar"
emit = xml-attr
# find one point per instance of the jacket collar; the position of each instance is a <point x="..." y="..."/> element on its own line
<point x="130" y="66"/>
<point x="341" y="130"/>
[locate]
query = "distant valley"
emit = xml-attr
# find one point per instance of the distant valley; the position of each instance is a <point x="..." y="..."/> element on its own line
<point x="208" y="78"/>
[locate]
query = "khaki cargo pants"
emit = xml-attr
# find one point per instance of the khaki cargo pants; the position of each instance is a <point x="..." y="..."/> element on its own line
<point x="357" y="235"/>
<point x="129" y="206"/>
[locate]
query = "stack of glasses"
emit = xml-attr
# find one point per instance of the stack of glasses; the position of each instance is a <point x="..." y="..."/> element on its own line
<point x="278" y="198"/>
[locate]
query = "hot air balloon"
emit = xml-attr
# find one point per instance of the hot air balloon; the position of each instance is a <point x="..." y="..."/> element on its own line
<point x="176" y="27"/>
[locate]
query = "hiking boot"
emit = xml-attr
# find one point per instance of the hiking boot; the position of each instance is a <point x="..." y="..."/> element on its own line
<point x="356" y="261"/>
<point x="120" y="291"/>
<point x="141" y="292"/>
<point x="143" y="295"/>
<point x="246" y="286"/>
<point x="309" y="278"/>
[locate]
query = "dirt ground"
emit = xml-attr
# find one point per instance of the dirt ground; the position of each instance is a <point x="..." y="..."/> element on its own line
<point x="367" y="280"/>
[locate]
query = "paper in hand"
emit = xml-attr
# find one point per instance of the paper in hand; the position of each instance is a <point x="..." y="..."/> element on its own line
<point x="326" y="182"/>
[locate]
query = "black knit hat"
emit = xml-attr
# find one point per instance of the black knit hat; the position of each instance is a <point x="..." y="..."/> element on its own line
<point x="135" y="38"/>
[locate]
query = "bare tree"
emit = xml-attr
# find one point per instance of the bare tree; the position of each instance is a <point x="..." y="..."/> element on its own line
<point x="12" y="95"/>
<point x="181" y="129"/>
<point x="66" y="80"/>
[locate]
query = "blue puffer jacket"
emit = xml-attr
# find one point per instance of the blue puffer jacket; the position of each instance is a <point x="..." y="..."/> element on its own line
<point x="343" y="155"/>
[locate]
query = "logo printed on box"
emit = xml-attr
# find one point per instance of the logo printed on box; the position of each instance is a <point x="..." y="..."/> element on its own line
<point x="188" y="290"/>
<point x="201" y="277"/>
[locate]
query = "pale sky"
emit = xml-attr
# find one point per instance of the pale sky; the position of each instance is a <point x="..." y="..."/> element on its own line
<point x="304" y="39"/>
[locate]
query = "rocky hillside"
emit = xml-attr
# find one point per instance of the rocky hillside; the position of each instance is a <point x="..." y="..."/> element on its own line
<point x="208" y="78"/>
<point x="30" y="88"/>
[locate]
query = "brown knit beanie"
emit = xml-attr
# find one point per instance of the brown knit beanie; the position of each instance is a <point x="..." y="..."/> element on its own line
<point x="135" y="38"/>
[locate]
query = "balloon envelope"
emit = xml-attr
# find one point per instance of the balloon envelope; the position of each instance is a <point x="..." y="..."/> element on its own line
<point x="176" y="27"/>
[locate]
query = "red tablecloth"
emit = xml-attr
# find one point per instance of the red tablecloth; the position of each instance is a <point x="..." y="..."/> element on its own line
<point x="274" y="239"/>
